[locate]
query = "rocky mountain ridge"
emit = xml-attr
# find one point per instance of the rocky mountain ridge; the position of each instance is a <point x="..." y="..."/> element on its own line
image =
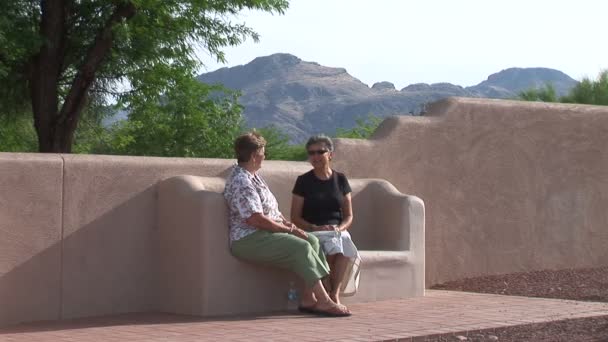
<point x="303" y="98"/>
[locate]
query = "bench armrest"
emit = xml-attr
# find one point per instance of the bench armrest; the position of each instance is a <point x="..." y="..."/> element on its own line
<point x="385" y="219"/>
<point x="187" y="207"/>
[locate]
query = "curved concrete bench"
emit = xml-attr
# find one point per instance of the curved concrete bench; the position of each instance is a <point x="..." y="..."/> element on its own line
<point x="199" y="276"/>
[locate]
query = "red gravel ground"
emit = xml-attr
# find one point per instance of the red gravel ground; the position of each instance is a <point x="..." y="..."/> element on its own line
<point x="589" y="284"/>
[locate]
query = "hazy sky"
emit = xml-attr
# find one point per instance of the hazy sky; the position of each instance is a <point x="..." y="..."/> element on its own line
<point x="411" y="41"/>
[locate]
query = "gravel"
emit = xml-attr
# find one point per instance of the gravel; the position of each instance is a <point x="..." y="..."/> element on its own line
<point x="589" y="284"/>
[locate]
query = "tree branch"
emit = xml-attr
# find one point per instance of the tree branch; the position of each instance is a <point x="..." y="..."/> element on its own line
<point x="102" y="44"/>
<point x="69" y="14"/>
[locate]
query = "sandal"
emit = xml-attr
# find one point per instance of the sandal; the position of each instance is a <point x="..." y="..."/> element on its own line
<point x="331" y="312"/>
<point x="307" y="309"/>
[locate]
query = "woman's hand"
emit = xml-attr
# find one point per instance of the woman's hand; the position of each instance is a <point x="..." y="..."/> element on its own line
<point x="300" y="233"/>
<point x="294" y="230"/>
<point x="327" y="227"/>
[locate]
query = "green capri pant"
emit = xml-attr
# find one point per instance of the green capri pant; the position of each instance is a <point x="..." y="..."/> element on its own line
<point x="305" y="258"/>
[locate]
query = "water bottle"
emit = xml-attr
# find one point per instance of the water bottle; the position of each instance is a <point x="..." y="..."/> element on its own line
<point x="292" y="297"/>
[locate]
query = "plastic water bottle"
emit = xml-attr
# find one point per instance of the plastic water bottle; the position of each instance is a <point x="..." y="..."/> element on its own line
<point x="292" y="297"/>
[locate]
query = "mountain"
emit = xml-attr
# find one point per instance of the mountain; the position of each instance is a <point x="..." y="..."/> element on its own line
<point x="303" y="98"/>
<point x="510" y="82"/>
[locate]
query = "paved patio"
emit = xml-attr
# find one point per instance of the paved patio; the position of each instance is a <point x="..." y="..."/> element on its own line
<point x="439" y="312"/>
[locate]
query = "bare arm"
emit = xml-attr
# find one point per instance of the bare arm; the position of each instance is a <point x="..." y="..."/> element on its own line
<point x="347" y="213"/>
<point x="286" y="221"/>
<point x="261" y="221"/>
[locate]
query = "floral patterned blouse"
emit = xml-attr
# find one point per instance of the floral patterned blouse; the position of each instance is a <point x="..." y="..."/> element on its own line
<point x="247" y="194"/>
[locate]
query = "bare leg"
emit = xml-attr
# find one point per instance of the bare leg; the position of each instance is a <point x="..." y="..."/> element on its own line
<point x="308" y="298"/>
<point x="338" y="268"/>
<point x="327" y="282"/>
<point x="324" y="302"/>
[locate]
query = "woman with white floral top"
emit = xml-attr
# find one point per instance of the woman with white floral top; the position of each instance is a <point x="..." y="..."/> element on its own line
<point x="260" y="233"/>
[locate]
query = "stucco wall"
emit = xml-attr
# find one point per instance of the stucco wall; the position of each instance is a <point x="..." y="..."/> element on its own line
<point x="109" y="244"/>
<point x="30" y="237"/>
<point x="78" y="233"/>
<point x="508" y="185"/>
<point x="110" y="224"/>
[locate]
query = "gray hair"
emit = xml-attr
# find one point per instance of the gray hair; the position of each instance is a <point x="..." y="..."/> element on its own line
<point x="320" y="139"/>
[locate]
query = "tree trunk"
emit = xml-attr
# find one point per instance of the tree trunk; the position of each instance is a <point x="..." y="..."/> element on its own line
<point x="45" y="71"/>
<point x="56" y="127"/>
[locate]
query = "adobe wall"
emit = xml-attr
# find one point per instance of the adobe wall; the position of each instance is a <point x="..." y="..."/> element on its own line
<point x="78" y="233"/>
<point x="508" y="185"/>
<point x="30" y="237"/>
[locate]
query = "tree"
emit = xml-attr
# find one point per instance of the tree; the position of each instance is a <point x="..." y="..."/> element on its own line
<point x="17" y="134"/>
<point x="91" y="132"/>
<point x="545" y="94"/>
<point x="278" y="146"/>
<point x="589" y="91"/>
<point x="182" y="126"/>
<point x="59" y="54"/>
<point x="363" y="130"/>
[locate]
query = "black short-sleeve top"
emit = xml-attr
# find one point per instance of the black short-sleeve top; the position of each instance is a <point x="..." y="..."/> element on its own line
<point x="322" y="198"/>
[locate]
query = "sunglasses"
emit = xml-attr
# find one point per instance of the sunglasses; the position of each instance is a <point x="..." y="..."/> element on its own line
<point x="317" y="152"/>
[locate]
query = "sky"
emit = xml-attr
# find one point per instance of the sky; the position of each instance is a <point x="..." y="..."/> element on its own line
<point x="430" y="41"/>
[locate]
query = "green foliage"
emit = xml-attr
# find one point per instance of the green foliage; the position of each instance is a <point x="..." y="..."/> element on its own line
<point x="157" y="48"/>
<point x="278" y="147"/>
<point x="189" y="122"/>
<point x="18" y="41"/>
<point x="17" y="134"/>
<point x="363" y="130"/>
<point x="586" y="91"/>
<point x="91" y="133"/>
<point x="589" y="91"/>
<point x="544" y="94"/>
<point x="154" y="46"/>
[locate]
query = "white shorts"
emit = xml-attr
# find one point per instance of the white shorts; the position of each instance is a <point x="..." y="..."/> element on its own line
<point x="333" y="242"/>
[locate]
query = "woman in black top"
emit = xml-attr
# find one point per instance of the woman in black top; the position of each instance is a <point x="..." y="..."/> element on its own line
<point x="322" y="202"/>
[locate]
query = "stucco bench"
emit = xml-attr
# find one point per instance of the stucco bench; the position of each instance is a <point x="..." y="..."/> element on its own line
<point x="199" y="276"/>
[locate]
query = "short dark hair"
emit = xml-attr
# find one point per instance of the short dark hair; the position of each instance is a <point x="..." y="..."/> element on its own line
<point x="246" y="144"/>
<point x="321" y="139"/>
